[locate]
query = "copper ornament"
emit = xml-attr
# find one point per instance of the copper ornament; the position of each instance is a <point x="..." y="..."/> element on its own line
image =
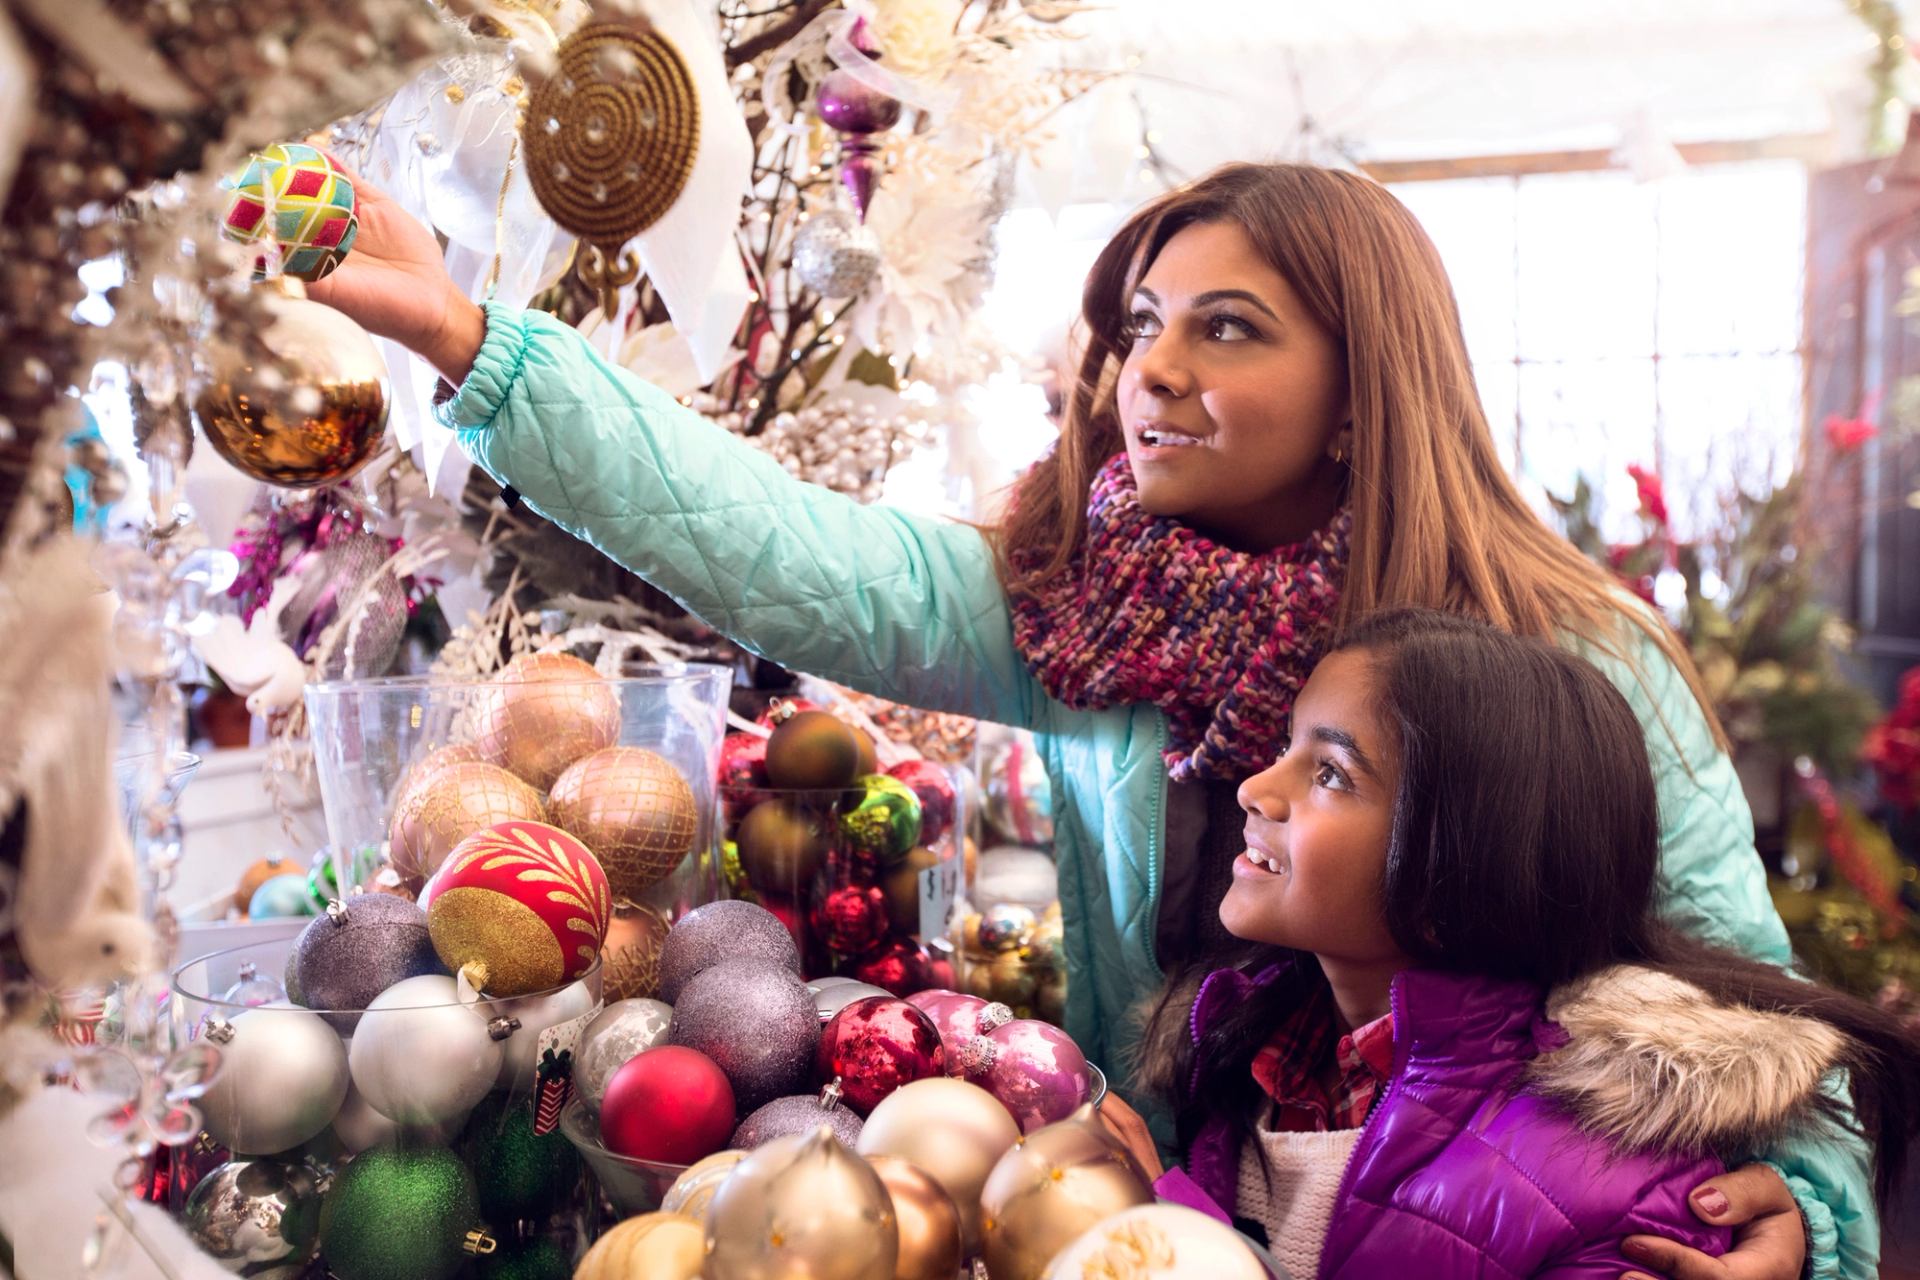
<point x="633" y="809"/>
<point x="954" y="1131"/>
<point x="543" y="712"/>
<point x="610" y="139"/>
<point x="439" y="810"/>
<point x="928" y="1221"/>
<point x="630" y="957"/>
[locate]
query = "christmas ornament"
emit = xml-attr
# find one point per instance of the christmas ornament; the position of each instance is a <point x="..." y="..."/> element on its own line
<point x="358" y="949"/>
<point x="401" y="1215"/>
<point x="933" y="786"/>
<point x="728" y="929"/>
<point x="518" y="907"/>
<point x="899" y="965"/>
<point x="928" y="1221"/>
<point x="250" y="1213"/>
<point x="802" y="1206"/>
<point x="621" y="1031"/>
<point x="1035" y="1069"/>
<point x="849" y="918"/>
<point x="257" y="874"/>
<point x="359" y="1127"/>
<point x="281" y="897"/>
<point x="671" y="1105"/>
<point x="829" y="1000"/>
<point x="881" y="818"/>
<point x="782" y="847"/>
<point x="959" y="1018"/>
<point x="517" y="1173"/>
<point x="812" y="751"/>
<point x="299" y="403"/>
<point x="756" y="1020"/>
<point x="633" y="809"/>
<point x="531" y="1016"/>
<point x="421" y="1057"/>
<point x="283" y="1076"/>
<point x="1011" y="981"/>
<point x="793" y="918"/>
<point x="443" y="806"/>
<point x="658" y="1246"/>
<point x="251" y="989"/>
<point x="542" y="712"/>
<point x="610" y="139"/>
<point x="874" y="1046"/>
<point x="1015" y="795"/>
<point x="901" y="885"/>
<point x="853" y="108"/>
<point x="630" y="957"/>
<point x="693" y="1190"/>
<point x="801" y="1113"/>
<point x="953" y="1130"/>
<point x="291" y="196"/>
<point x="542" y="1259"/>
<point x="1005" y="926"/>
<point x="742" y="776"/>
<point x="835" y="254"/>
<point x="1157" y="1242"/>
<point x="1056" y="1182"/>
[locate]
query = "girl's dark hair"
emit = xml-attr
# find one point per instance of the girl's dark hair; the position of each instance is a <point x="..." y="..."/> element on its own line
<point x="1525" y="842"/>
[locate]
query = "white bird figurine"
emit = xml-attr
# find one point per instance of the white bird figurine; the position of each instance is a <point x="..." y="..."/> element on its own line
<point x="253" y="660"/>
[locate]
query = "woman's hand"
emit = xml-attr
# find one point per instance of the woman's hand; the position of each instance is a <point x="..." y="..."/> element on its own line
<point x="1125" y="1124"/>
<point x="1769" y="1238"/>
<point x="394" y="282"/>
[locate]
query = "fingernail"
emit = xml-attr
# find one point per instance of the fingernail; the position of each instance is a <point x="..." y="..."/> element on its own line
<point x="1638" y="1250"/>
<point x="1636" y="1275"/>
<point x="1711" y="1201"/>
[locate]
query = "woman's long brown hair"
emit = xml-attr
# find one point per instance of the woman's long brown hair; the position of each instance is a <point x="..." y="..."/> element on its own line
<point x="1437" y="522"/>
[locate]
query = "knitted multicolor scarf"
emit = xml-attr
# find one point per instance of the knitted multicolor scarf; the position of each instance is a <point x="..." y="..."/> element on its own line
<point x="1155" y="612"/>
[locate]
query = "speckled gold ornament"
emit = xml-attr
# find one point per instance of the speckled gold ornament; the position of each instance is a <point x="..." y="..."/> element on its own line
<point x="659" y="1246"/>
<point x="543" y="712"/>
<point x="1055" y="1183"/>
<point x="444" y="805"/>
<point x="631" y="954"/>
<point x="633" y="809"/>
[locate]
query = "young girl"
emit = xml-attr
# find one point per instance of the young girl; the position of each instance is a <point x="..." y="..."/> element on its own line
<point x="1274" y="432"/>
<point x="1456" y="1033"/>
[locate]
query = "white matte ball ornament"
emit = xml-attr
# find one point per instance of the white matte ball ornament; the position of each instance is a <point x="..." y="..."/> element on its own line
<point x="283" y="1076"/>
<point x="535" y="1014"/>
<point x="835" y="255"/>
<point x="422" y="1058"/>
<point x="1158" y="1242"/>
<point x="624" y="1030"/>
<point x="360" y="1128"/>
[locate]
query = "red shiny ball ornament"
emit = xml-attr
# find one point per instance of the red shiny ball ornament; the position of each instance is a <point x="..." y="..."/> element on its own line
<point x="789" y="913"/>
<point x="874" y="1046"/>
<point x="670" y="1104"/>
<point x="900" y="965"/>
<point x="850" y="918"/>
<point x="743" y="773"/>
<point x="935" y="789"/>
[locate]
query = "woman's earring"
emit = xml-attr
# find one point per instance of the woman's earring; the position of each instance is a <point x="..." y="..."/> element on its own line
<point x="1339" y="454"/>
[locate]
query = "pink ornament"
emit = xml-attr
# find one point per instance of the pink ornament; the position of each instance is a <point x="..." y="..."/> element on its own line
<point x="857" y="111"/>
<point x="669" y="1104"/>
<point x="851" y="918"/>
<point x="899" y="965"/>
<point x="1035" y="1069"/>
<point x="874" y="1046"/>
<point x="935" y="789"/>
<point x="743" y="773"/>
<point x="959" y="1018"/>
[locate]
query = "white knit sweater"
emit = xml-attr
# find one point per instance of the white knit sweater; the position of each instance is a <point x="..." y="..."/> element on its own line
<point x="1293" y="1198"/>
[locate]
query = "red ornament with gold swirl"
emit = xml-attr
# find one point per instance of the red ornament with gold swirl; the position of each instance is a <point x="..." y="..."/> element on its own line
<point x="519" y="907"/>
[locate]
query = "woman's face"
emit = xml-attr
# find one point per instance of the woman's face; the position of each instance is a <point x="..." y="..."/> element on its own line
<point x="1318" y="825"/>
<point x="1231" y="396"/>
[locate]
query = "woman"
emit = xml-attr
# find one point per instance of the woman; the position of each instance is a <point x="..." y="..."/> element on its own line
<point x="1274" y="431"/>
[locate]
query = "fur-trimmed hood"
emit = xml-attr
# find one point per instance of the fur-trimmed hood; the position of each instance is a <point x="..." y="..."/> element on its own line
<point x="1649" y="1063"/>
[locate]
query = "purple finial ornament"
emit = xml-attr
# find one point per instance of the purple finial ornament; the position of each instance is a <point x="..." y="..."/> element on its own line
<point x="857" y="111"/>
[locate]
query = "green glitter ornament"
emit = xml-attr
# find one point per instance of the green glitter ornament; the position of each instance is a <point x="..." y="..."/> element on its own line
<point x="541" y="1260"/>
<point x="401" y="1215"/>
<point x="884" y="821"/>
<point x="520" y="1174"/>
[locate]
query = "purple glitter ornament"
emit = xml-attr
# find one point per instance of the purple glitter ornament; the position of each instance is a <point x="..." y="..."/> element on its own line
<point x="355" y="950"/>
<point x="757" y="1021"/>
<point x="1035" y="1069"/>
<point x="798" y="1114"/>
<point x="721" y="931"/>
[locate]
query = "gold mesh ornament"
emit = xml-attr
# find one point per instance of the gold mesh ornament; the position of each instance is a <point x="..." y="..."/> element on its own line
<point x="610" y="140"/>
<point x="449" y="804"/>
<point x="633" y="809"/>
<point x="543" y="712"/>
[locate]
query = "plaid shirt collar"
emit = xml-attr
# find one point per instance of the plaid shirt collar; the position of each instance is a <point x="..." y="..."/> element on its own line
<point x="1317" y="1082"/>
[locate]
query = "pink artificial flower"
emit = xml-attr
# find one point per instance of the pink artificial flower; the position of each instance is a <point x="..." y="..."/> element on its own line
<point x="1845" y="435"/>
<point x="1653" y="495"/>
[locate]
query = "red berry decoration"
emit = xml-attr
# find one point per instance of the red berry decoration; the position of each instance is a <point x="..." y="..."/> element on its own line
<point x="874" y="1046"/>
<point x="851" y="918"/>
<point x="670" y="1104"/>
<point x="900" y="965"/>
<point x="935" y="789"/>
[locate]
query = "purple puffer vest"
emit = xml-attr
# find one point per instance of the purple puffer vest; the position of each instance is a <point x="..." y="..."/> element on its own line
<point x="1455" y="1175"/>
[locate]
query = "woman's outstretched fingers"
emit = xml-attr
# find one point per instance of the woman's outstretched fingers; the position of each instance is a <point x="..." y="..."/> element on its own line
<point x="1769" y="1239"/>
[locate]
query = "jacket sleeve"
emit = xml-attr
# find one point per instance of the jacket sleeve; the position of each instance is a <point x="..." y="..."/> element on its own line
<point x="902" y="606"/>
<point x="1712" y="884"/>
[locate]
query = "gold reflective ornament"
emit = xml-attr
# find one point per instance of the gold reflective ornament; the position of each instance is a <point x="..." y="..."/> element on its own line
<point x="443" y="804"/>
<point x="953" y="1130"/>
<point x="658" y="1246"/>
<point x="630" y="956"/>
<point x="929" y="1223"/>
<point x="692" y="1192"/>
<point x="299" y="402"/>
<point x="633" y="809"/>
<point x="543" y="712"/>
<point x="1056" y="1183"/>
<point x="802" y="1207"/>
<point x="1159" y="1242"/>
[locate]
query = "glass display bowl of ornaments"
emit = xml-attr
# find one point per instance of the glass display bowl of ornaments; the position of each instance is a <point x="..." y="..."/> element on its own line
<point x="852" y="840"/>
<point x="1007" y="932"/>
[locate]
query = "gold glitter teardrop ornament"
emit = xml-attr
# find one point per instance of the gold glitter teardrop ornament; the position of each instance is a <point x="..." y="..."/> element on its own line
<point x="610" y="140"/>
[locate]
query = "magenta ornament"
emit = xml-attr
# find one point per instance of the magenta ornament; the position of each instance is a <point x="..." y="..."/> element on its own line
<point x="959" y="1018"/>
<point x="1035" y="1070"/>
<point x="850" y="918"/>
<point x="856" y="111"/>
<point x="874" y="1046"/>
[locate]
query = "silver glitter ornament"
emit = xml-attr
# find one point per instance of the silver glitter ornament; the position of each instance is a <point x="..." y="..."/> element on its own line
<point x="623" y="1030"/>
<point x="835" y="255"/>
<point x="757" y="1021"/>
<point x="358" y="949"/>
<point x="283" y="1076"/>
<point x="250" y="1214"/>
<point x="724" y="930"/>
<point x="799" y="1114"/>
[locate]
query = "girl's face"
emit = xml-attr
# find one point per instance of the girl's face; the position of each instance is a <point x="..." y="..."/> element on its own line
<point x="1318" y="823"/>
<point x="1232" y="396"/>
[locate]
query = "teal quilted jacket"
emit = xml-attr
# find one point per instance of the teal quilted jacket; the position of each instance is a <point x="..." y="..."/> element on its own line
<point x="910" y="609"/>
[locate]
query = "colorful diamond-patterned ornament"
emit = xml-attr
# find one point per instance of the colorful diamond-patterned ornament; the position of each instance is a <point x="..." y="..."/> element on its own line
<point x="291" y="195"/>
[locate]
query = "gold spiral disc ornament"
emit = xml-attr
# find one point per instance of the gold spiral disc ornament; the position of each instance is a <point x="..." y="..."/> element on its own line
<point x="610" y="140"/>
